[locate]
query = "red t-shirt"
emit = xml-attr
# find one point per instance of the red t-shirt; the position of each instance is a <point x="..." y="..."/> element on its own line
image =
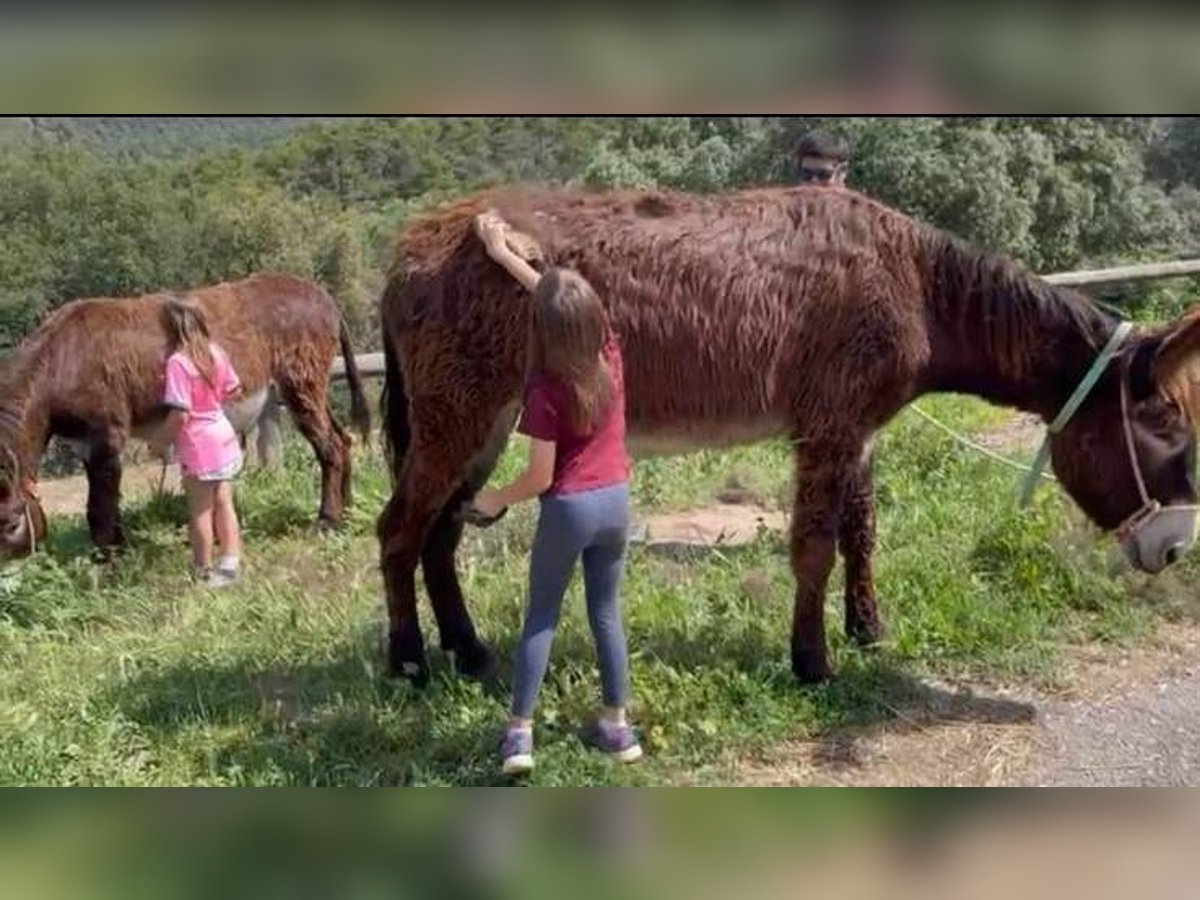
<point x="581" y="462"/>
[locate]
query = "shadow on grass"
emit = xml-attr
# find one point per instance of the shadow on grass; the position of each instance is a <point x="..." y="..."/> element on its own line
<point x="145" y="524"/>
<point x="67" y="538"/>
<point x="335" y="723"/>
<point x="871" y="687"/>
<point x="279" y="519"/>
<point x="162" y="518"/>
<point x="342" y="723"/>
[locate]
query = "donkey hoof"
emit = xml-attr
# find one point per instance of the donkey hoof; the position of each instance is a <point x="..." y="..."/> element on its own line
<point x="866" y="634"/>
<point x="811" y="668"/>
<point x="477" y="662"/>
<point x="403" y="663"/>
<point x="415" y="673"/>
<point x="104" y="554"/>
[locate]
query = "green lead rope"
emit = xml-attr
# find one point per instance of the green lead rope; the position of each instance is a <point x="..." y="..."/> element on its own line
<point x="1029" y="485"/>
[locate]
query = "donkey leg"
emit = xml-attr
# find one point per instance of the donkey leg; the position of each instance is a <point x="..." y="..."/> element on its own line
<point x="436" y="466"/>
<point x="472" y="657"/>
<point x="856" y="541"/>
<point x="307" y="403"/>
<point x="246" y="440"/>
<point x="343" y="438"/>
<point x="103" y="467"/>
<point x="269" y="437"/>
<point x="821" y="479"/>
<point x="400" y="539"/>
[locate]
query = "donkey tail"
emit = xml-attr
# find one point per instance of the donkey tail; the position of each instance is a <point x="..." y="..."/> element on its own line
<point x="397" y="432"/>
<point x="360" y="412"/>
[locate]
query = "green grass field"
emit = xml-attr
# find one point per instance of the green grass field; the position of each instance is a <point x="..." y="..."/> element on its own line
<point x="127" y="675"/>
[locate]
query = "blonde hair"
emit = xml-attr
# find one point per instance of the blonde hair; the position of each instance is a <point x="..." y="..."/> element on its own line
<point x="569" y="331"/>
<point x="187" y="332"/>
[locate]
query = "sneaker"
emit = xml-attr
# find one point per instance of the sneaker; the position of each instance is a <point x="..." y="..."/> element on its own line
<point x="516" y="751"/>
<point x="618" y="741"/>
<point x="221" y="578"/>
<point x="213" y="578"/>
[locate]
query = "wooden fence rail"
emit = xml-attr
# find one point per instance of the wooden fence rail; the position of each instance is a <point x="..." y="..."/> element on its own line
<point x="1141" y="272"/>
<point x="370" y="365"/>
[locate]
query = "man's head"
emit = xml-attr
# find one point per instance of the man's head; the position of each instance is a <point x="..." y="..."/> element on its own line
<point x="822" y="159"/>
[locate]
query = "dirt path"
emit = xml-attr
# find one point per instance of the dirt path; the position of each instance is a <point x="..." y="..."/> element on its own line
<point x="1143" y="732"/>
<point x="68" y="496"/>
<point x="1124" y="718"/>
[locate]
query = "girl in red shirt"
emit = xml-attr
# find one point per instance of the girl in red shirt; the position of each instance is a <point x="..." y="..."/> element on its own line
<point x="574" y="416"/>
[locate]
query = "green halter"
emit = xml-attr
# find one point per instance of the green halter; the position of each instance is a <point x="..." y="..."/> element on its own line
<point x="1071" y="407"/>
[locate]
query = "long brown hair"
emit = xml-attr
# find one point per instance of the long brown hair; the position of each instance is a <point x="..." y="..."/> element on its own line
<point x="187" y="332"/>
<point x="569" y="331"/>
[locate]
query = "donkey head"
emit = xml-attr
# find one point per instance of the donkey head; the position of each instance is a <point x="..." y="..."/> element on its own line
<point x="1128" y="456"/>
<point x="22" y="521"/>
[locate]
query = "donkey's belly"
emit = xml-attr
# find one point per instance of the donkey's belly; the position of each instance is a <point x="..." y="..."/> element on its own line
<point x="246" y="412"/>
<point x="243" y="415"/>
<point x="678" y="438"/>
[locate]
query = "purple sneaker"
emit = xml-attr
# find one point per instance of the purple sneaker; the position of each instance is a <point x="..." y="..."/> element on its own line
<point x="618" y="741"/>
<point x="516" y="751"/>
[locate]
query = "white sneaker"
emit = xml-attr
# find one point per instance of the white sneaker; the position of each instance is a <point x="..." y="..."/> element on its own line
<point x="220" y="578"/>
<point x="516" y="752"/>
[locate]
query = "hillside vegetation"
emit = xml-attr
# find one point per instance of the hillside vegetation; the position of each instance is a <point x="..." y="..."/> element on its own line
<point x="110" y="206"/>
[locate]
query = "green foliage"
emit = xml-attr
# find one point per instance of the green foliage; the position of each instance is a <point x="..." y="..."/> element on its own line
<point x="163" y="137"/>
<point x="80" y="225"/>
<point x="113" y="205"/>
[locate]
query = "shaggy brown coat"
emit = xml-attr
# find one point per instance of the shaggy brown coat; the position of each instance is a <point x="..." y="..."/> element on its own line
<point x="93" y="374"/>
<point x="802" y="312"/>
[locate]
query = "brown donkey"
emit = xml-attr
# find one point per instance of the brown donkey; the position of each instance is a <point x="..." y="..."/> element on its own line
<point x="806" y="313"/>
<point x="92" y="375"/>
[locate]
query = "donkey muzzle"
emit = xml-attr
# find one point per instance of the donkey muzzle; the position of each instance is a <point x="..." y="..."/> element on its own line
<point x="1159" y="537"/>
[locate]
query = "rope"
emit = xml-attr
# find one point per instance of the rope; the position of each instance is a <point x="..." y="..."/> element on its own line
<point x="32" y="493"/>
<point x="1078" y="396"/>
<point x="162" y="480"/>
<point x="978" y="448"/>
<point x="1129" y="444"/>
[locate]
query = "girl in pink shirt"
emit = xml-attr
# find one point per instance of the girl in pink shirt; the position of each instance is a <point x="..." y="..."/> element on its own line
<point x="199" y="379"/>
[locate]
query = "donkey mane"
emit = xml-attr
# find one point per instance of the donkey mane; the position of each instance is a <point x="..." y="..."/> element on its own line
<point x="985" y="297"/>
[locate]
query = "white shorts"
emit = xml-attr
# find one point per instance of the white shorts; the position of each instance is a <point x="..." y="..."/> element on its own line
<point x="225" y="474"/>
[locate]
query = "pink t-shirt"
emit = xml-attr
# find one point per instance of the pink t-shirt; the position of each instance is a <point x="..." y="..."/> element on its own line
<point x="207" y="443"/>
<point x="582" y="462"/>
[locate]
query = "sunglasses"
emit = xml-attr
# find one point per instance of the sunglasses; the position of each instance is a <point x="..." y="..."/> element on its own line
<point x="824" y="176"/>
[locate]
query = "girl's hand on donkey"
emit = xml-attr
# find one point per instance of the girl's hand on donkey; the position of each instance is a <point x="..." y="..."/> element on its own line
<point x="485" y="510"/>
<point x="492" y="231"/>
<point x="489" y="503"/>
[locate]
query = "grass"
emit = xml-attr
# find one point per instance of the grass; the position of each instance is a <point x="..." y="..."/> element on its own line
<point x="124" y="674"/>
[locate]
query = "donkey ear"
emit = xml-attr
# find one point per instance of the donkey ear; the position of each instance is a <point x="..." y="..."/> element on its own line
<point x="1174" y="367"/>
<point x="1179" y="346"/>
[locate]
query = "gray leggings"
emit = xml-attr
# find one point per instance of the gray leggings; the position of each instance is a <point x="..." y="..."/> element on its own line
<point x="594" y="525"/>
